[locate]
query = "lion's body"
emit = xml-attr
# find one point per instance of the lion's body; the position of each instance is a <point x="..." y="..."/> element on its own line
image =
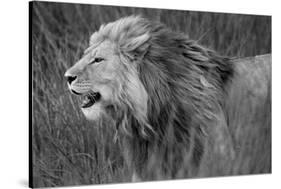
<point x="168" y="97"/>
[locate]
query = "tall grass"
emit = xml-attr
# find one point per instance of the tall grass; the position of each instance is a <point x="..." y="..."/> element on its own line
<point x="68" y="150"/>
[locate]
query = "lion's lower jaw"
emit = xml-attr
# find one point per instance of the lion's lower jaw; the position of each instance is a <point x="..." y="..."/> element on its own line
<point x="94" y="112"/>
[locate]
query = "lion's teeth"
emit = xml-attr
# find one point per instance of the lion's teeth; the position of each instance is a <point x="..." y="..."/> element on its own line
<point x="85" y="101"/>
<point x="90" y="99"/>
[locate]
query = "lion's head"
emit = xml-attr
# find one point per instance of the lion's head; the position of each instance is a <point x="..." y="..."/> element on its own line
<point x="107" y="75"/>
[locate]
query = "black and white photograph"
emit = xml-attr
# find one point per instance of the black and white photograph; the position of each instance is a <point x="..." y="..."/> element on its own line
<point x="121" y="94"/>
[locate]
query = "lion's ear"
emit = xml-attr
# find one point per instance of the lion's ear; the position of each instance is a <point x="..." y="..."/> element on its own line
<point x="137" y="46"/>
<point x="137" y="42"/>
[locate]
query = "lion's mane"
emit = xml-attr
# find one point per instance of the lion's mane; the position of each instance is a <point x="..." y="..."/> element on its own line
<point x="184" y="85"/>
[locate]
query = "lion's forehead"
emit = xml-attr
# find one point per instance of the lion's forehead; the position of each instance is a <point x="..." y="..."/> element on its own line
<point x="104" y="48"/>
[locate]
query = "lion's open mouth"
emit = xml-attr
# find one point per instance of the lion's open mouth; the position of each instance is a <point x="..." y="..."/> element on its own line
<point x="90" y="99"/>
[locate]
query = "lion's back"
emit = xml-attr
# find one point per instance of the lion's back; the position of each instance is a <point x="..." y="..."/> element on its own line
<point x="254" y="74"/>
<point x="252" y="80"/>
<point x="248" y="108"/>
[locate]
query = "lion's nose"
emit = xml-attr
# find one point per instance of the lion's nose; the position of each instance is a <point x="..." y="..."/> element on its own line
<point x="70" y="79"/>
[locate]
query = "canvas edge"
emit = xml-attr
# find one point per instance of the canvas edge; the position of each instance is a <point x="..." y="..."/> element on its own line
<point x="30" y="159"/>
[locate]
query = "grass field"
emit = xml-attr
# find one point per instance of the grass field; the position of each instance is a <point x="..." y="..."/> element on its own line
<point x="67" y="149"/>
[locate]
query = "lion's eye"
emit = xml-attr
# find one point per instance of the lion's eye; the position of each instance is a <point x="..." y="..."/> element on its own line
<point x="97" y="60"/>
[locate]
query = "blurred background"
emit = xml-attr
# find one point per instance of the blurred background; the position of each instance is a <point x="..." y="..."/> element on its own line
<point x="67" y="149"/>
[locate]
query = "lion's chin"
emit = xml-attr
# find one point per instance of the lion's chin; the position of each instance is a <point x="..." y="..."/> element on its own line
<point x="93" y="112"/>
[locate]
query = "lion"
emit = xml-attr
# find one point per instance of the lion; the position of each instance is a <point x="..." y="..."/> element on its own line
<point x="167" y="96"/>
